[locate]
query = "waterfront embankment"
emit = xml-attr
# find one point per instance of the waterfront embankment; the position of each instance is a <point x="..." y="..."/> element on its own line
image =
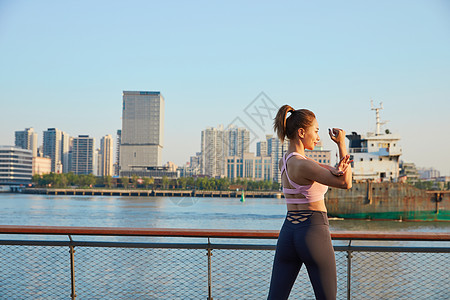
<point x="150" y="193"/>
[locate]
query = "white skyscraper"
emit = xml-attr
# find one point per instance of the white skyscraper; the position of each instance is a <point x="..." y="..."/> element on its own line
<point x="66" y="141"/>
<point x="27" y="139"/>
<point x="276" y="149"/>
<point x="237" y="141"/>
<point x="106" y="156"/>
<point x="217" y="144"/>
<point x="83" y="155"/>
<point x="212" y="149"/>
<point x="142" y="130"/>
<point x="261" y="147"/>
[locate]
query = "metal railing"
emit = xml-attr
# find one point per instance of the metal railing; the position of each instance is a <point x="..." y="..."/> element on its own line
<point x="214" y="264"/>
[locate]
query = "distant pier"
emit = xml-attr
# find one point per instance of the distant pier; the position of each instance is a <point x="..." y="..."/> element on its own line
<point x="152" y="193"/>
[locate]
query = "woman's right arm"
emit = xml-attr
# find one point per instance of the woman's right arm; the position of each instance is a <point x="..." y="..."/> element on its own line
<point x="317" y="173"/>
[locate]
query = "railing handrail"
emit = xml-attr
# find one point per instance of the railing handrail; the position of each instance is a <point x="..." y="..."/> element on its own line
<point x="214" y="233"/>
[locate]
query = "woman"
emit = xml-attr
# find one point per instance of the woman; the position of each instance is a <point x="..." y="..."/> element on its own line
<point x="305" y="236"/>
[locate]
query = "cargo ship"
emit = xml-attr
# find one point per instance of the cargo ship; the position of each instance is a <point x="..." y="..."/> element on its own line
<point x="379" y="191"/>
<point x="388" y="201"/>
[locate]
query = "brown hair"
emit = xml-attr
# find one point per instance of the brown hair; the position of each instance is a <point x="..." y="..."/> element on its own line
<point x="287" y="127"/>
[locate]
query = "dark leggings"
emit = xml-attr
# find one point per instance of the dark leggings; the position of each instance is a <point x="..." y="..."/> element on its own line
<point x="304" y="239"/>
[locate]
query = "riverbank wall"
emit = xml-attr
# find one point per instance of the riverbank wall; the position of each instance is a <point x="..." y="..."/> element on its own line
<point x="153" y="193"/>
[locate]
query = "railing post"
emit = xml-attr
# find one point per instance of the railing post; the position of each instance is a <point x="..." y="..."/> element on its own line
<point x="209" y="254"/>
<point x="73" y="296"/>
<point x="349" y="271"/>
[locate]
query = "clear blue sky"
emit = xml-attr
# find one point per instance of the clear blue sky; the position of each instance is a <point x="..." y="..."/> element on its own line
<point x="64" y="64"/>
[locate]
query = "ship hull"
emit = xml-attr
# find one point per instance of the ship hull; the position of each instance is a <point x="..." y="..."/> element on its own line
<point x="388" y="201"/>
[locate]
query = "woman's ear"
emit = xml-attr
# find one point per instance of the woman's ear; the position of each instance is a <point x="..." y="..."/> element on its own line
<point x="301" y="133"/>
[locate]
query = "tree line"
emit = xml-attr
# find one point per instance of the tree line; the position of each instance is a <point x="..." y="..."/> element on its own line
<point x="431" y="185"/>
<point x="66" y="180"/>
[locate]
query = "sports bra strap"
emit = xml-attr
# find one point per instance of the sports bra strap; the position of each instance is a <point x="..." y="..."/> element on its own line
<point x="312" y="192"/>
<point x="284" y="167"/>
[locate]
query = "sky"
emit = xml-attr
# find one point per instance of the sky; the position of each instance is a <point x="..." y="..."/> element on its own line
<point x="65" y="64"/>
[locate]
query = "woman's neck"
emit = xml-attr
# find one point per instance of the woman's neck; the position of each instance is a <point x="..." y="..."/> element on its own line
<point x="296" y="146"/>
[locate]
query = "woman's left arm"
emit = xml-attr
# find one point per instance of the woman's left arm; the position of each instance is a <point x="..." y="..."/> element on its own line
<point x="338" y="136"/>
<point x="335" y="171"/>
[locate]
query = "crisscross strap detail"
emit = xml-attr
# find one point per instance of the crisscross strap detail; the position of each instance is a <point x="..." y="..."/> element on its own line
<point x="299" y="216"/>
<point x="297" y="188"/>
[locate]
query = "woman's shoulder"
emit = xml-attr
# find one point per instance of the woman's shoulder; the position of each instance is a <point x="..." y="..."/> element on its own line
<point x="302" y="165"/>
<point x="299" y="168"/>
<point x="298" y="161"/>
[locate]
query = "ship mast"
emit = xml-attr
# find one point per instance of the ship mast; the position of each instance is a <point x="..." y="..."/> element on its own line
<point x="377" y="111"/>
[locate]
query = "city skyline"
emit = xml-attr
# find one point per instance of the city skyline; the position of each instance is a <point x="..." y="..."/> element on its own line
<point x="253" y="149"/>
<point x="68" y="65"/>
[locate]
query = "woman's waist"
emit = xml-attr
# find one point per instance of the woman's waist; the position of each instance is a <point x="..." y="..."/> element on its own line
<point x="303" y="198"/>
<point x="312" y="206"/>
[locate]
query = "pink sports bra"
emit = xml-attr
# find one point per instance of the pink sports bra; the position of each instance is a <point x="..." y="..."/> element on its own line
<point x="312" y="192"/>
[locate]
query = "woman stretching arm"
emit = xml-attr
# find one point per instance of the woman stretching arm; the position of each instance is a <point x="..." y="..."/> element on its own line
<point x="305" y="236"/>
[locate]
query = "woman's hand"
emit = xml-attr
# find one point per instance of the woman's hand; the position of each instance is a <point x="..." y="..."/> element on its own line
<point x="337" y="135"/>
<point x="342" y="166"/>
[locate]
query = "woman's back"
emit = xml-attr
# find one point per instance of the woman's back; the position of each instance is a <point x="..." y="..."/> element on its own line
<point x="300" y="193"/>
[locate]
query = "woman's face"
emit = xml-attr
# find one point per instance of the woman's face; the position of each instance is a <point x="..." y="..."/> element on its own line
<point x="311" y="136"/>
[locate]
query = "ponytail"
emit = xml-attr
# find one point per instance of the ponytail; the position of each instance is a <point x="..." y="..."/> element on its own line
<point x="286" y="127"/>
<point x="279" y="124"/>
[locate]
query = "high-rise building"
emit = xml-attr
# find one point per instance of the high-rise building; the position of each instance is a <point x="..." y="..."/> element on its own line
<point x="217" y="144"/>
<point x="237" y="141"/>
<point x="142" y="131"/>
<point x="66" y="143"/>
<point x="56" y="145"/>
<point x="249" y="166"/>
<point x="52" y="147"/>
<point x="96" y="162"/>
<point x="195" y="163"/>
<point x="212" y="148"/>
<point x="428" y="173"/>
<point x="82" y="155"/>
<point x="276" y="149"/>
<point x="106" y="156"/>
<point x="117" y="163"/>
<point x="27" y="139"/>
<point x="16" y="165"/>
<point x="261" y="148"/>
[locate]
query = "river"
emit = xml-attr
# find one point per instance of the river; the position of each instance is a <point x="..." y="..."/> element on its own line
<point x="172" y="212"/>
<point x="201" y="213"/>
